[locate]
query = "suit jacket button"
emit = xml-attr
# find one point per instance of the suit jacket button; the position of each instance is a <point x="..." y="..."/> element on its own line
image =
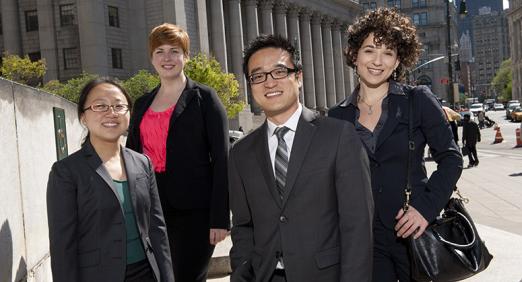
<point x="282" y="219"/>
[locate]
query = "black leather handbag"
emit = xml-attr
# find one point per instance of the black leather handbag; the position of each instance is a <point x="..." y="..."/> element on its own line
<point x="450" y="249"/>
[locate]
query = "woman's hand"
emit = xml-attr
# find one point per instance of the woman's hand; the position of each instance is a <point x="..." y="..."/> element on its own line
<point x="217" y="235"/>
<point x="410" y="222"/>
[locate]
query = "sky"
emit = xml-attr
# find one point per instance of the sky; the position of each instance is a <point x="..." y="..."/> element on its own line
<point x="506" y="4"/>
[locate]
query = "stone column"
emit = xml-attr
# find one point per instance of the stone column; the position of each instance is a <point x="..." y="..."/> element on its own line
<point x="328" y="61"/>
<point x="306" y="55"/>
<point x="293" y="36"/>
<point x="11" y="27"/>
<point x="338" y="60"/>
<point x="317" y="47"/>
<point x="266" y="16"/>
<point x="236" y="46"/>
<point x="252" y="31"/>
<point x="280" y="18"/>
<point x="349" y="74"/>
<point x="138" y="50"/>
<point x="201" y="10"/>
<point x="217" y="33"/>
<point x="47" y="38"/>
<point x="93" y="51"/>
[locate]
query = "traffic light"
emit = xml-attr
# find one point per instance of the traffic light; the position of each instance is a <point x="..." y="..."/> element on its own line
<point x="457" y="65"/>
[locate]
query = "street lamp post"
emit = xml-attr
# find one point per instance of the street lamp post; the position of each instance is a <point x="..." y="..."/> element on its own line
<point x="462" y="11"/>
<point x="448" y="46"/>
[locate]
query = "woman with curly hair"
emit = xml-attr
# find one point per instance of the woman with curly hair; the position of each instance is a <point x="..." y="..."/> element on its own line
<point x="382" y="45"/>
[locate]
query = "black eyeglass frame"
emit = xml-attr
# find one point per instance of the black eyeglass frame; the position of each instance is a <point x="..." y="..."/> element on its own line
<point x="91" y="107"/>
<point x="289" y="70"/>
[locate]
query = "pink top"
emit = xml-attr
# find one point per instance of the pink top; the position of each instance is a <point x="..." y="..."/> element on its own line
<point x="154" y="129"/>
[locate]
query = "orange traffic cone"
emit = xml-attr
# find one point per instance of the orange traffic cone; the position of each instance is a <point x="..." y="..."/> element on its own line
<point x="519" y="138"/>
<point x="498" y="136"/>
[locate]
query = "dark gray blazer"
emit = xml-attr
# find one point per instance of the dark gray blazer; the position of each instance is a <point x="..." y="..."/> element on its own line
<point x="86" y="222"/>
<point x="323" y="225"/>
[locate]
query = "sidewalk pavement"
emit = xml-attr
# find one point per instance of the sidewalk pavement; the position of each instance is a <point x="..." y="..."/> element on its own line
<point x="494" y="189"/>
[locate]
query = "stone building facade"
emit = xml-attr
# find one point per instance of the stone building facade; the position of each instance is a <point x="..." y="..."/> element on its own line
<point x="109" y="37"/>
<point x="490" y="39"/>
<point x="514" y="15"/>
<point x="429" y="16"/>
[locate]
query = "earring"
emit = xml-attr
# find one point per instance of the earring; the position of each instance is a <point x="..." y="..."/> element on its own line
<point x="394" y="74"/>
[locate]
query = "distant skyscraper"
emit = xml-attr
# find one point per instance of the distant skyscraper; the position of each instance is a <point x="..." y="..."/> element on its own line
<point x="473" y="6"/>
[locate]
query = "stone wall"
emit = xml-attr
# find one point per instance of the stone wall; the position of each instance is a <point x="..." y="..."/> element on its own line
<point x="27" y="151"/>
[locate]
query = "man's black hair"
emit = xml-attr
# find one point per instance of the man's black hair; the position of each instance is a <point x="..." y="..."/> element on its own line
<point x="270" y="41"/>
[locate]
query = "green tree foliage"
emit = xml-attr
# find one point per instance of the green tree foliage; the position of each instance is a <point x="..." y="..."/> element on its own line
<point x="502" y="82"/>
<point x="142" y="82"/>
<point x="207" y="70"/>
<point x="22" y="70"/>
<point x="70" y="90"/>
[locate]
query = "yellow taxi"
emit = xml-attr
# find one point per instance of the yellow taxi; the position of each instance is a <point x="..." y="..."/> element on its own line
<point x="516" y="114"/>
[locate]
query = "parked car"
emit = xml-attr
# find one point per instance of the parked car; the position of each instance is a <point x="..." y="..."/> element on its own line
<point x="498" y="107"/>
<point x="476" y="108"/>
<point x="510" y="107"/>
<point x="516" y="114"/>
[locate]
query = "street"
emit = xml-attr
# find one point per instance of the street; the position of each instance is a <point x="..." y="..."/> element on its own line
<point x="494" y="190"/>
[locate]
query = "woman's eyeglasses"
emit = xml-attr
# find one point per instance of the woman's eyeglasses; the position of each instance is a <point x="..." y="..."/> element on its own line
<point x="119" y="108"/>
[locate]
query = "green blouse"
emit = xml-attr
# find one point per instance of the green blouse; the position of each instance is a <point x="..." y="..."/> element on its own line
<point x="135" y="251"/>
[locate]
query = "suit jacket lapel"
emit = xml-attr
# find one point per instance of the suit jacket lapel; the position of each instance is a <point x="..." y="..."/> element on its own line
<point x="396" y="111"/>
<point x="263" y="159"/>
<point x="131" y="171"/>
<point x="303" y="136"/>
<point x="96" y="164"/>
<point x="187" y="95"/>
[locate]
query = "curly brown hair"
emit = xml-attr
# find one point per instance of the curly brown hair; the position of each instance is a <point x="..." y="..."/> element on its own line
<point x="391" y="28"/>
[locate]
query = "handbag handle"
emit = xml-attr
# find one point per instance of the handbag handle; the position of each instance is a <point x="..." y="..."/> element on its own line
<point x="459" y="246"/>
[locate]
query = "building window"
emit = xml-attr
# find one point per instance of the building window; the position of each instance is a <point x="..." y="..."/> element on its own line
<point x="70" y="58"/>
<point x="114" y="18"/>
<point x="67" y="14"/>
<point x="373" y="5"/>
<point x="420" y="18"/>
<point x="418" y="3"/>
<point x="31" y="20"/>
<point x="117" y="62"/>
<point x="394" y="3"/>
<point x="35" y="56"/>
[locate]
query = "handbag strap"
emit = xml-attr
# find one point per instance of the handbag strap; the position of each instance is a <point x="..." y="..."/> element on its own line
<point x="411" y="149"/>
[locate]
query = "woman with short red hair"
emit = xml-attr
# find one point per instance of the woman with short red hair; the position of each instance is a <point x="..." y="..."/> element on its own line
<point x="182" y="126"/>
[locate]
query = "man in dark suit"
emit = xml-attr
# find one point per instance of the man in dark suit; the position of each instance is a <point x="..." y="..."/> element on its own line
<point x="470" y="137"/>
<point x="299" y="184"/>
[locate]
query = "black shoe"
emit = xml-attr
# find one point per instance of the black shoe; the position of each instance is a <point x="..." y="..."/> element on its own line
<point x="470" y="165"/>
<point x="476" y="163"/>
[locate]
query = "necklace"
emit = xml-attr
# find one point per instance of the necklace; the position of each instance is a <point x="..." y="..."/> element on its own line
<point x="370" y="107"/>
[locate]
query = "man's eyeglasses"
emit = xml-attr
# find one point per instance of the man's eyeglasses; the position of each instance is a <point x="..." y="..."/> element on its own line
<point x="119" y="108"/>
<point x="278" y="73"/>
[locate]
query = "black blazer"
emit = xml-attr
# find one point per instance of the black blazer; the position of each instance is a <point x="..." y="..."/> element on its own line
<point x="323" y="225"/>
<point x="197" y="151"/>
<point x="86" y="223"/>
<point x="470" y="133"/>
<point x="389" y="162"/>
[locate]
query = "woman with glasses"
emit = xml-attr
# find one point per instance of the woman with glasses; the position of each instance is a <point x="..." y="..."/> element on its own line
<point x="104" y="213"/>
<point x="182" y="126"/>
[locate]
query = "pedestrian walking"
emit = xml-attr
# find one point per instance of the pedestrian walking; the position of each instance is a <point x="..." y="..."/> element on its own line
<point x="481" y="117"/>
<point x="382" y="45"/>
<point x="470" y="137"/>
<point x="182" y="126"/>
<point x="299" y="184"/>
<point x="104" y="213"/>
